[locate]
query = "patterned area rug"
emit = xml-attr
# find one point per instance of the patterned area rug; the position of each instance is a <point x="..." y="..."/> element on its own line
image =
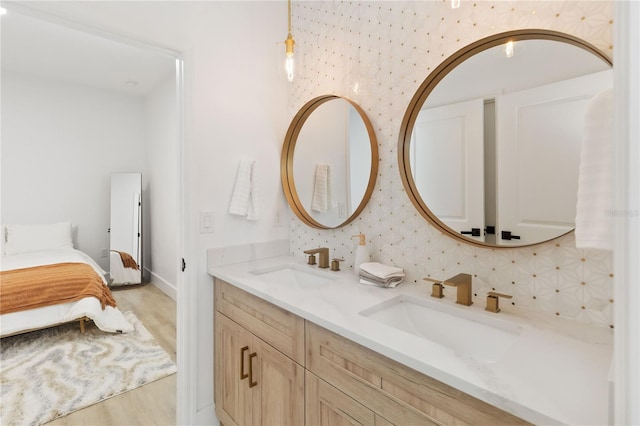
<point x="50" y="373"/>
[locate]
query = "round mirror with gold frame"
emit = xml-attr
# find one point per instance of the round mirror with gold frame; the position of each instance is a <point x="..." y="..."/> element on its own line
<point x="329" y="162"/>
<point x="489" y="147"/>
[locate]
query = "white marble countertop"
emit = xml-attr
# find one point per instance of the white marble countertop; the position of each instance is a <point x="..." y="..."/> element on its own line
<point x="556" y="371"/>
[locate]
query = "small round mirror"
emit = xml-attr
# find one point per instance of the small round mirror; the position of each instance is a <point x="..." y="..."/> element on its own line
<point x="329" y="162"/>
<point x="489" y="149"/>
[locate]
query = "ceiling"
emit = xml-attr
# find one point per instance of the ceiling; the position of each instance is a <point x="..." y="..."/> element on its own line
<point x="535" y="63"/>
<point x="37" y="47"/>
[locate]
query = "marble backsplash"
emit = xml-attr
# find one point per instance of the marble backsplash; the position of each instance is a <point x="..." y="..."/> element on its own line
<point x="377" y="53"/>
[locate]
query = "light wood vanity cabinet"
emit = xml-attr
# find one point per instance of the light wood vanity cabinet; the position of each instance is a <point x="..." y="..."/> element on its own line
<point x="327" y="406"/>
<point x="396" y="393"/>
<point x="256" y="382"/>
<point x="333" y="382"/>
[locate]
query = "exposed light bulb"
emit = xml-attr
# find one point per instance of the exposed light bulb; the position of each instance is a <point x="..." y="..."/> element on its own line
<point x="455" y="4"/>
<point x="508" y="49"/>
<point x="289" y="64"/>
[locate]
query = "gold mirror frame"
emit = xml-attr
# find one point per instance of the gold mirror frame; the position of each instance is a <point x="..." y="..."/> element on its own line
<point x="286" y="162"/>
<point x="425" y="89"/>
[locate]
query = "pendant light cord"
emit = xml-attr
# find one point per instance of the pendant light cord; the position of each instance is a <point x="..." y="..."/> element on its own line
<point x="289" y="7"/>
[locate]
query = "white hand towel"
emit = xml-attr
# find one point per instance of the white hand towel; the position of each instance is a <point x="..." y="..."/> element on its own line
<point x="391" y="284"/>
<point x="382" y="271"/>
<point x="595" y="179"/>
<point x="244" y="200"/>
<point x="322" y="199"/>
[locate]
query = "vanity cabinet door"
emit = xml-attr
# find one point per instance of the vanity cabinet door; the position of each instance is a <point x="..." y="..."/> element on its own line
<point x="255" y="383"/>
<point x="278" y="392"/>
<point x="233" y="399"/>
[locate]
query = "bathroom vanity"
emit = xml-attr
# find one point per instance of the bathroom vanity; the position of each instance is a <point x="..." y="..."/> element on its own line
<point x="296" y="345"/>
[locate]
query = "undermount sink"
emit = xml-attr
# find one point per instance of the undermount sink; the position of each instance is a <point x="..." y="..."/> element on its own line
<point x="466" y="333"/>
<point x="298" y="275"/>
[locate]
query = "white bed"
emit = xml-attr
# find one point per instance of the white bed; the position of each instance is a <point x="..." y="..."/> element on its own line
<point x="22" y="253"/>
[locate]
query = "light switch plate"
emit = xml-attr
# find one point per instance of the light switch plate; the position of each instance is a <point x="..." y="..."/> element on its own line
<point x="206" y="222"/>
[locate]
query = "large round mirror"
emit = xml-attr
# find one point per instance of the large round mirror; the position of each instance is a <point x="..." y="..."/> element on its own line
<point x="489" y="147"/>
<point x="329" y="162"/>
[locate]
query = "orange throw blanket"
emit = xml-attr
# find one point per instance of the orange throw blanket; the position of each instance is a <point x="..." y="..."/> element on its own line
<point x="38" y="286"/>
<point x="127" y="260"/>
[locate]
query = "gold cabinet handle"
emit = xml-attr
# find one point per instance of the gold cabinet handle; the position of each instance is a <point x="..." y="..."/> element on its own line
<point x="243" y="375"/>
<point x="251" y="382"/>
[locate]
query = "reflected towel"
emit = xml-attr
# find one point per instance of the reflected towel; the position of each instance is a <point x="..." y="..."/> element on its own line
<point x="595" y="179"/>
<point x="244" y="200"/>
<point x="322" y="199"/>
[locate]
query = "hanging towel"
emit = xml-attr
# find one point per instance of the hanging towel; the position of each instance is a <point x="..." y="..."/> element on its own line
<point x="244" y="200"/>
<point x="595" y="179"/>
<point x="322" y="199"/>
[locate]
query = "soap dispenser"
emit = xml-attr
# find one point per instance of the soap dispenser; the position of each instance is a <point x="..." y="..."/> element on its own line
<point x="362" y="253"/>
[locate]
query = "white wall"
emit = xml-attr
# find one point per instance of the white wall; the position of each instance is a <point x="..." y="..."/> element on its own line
<point x="60" y="144"/>
<point x="627" y="214"/>
<point x="160" y="183"/>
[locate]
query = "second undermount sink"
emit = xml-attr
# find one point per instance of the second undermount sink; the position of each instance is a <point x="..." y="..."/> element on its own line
<point x="296" y="275"/>
<point x="466" y="333"/>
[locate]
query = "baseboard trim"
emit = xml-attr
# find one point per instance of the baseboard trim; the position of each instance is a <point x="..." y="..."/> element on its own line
<point x="164" y="286"/>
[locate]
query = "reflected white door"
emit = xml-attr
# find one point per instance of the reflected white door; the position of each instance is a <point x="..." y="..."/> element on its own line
<point x="448" y="164"/>
<point x="537" y="191"/>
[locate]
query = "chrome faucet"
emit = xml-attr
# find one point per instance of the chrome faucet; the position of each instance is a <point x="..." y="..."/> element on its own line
<point x="323" y="254"/>
<point x="462" y="282"/>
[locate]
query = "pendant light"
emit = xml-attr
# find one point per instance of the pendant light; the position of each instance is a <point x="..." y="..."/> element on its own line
<point x="288" y="43"/>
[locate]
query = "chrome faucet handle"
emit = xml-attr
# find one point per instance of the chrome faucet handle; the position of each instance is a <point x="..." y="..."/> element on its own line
<point x="492" y="301"/>
<point x="462" y="282"/>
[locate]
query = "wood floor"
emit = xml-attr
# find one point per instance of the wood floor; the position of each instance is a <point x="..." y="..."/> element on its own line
<point x="151" y="404"/>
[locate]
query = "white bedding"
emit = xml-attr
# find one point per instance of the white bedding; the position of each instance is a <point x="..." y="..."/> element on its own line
<point x="121" y="275"/>
<point x="110" y="319"/>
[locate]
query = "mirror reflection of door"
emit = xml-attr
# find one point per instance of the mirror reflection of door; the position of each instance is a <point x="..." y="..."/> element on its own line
<point x="447" y="163"/>
<point x="539" y="190"/>
<point x="125" y="260"/>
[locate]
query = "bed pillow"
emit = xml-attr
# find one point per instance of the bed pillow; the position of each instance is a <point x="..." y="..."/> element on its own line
<point x="30" y="238"/>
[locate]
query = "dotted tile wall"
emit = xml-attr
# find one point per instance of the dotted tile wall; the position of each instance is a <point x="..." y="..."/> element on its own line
<point x="377" y="53"/>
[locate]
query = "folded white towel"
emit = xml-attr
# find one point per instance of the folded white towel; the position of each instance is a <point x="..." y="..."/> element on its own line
<point x="390" y="284"/>
<point x="595" y="179"/>
<point x="380" y="270"/>
<point x="322" y="198"/>
<point x="244" y="200"/>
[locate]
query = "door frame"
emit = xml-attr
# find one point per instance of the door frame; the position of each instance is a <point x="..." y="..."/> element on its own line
<point x="186" y="336"/>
